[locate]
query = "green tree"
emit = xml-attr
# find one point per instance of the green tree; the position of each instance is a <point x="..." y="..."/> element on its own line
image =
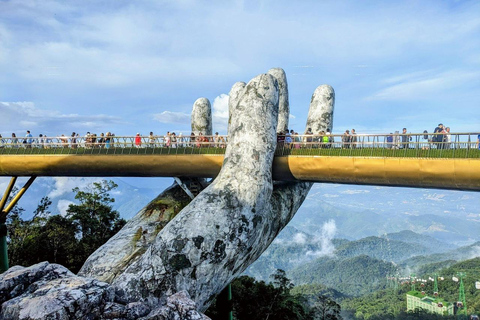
<point x="43" y="238"/>
<point x="325" y="308"/>
<point x="16" y="232"/>
<point x="67" y="240"/>
<point x="94" y="217"/>
<point x="257" y="300"/>
<point x="59" y="242"/>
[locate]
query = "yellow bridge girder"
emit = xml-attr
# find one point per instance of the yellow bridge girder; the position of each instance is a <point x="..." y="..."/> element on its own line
<point x="447" y="173"/>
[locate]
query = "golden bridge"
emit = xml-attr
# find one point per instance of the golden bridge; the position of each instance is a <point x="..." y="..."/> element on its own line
<point x="413" y="160"/>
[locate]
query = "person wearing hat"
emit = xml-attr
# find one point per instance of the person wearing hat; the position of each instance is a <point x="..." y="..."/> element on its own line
<point x="138" y="141"/>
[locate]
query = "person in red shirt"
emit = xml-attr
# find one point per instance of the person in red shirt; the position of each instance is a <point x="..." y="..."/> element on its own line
<point x="138" y="141"/>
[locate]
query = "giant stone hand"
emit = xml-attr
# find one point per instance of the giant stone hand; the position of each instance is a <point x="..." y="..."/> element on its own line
<point x="228" y="225"/>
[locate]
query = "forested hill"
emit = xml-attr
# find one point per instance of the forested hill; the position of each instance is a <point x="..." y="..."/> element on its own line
<point x="458" y="254"/>
<point x="380" y="303"/>
<point x="380" y="248"/>
<point x="294" y="248"/>
<point x="351" y="276"/>
<point x="420" y="239"/>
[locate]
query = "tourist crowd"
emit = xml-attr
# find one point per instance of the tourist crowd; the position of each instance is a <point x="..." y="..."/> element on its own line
<point x="441" y="138"/>
<point x="108" y="140"/>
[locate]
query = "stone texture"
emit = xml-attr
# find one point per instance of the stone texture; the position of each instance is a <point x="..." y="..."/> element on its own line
<point x="178" y="307"/>
<point x="202" y="117"/>
<point x="283" y="104"/>
<point x="233" y="97"/>
<point x="50" y="291"/>
<point x="16" y="280"/>
<point x="287" y="197"/>
<point x="221" y="230"/>
<point x="133" y="240"/>
<point x="320" y="115"/>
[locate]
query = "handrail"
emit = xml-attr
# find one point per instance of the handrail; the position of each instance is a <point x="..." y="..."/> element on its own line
<point x="452" y="145"/>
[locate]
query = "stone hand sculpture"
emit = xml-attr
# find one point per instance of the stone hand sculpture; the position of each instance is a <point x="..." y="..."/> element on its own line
<point x="229" y="224"/>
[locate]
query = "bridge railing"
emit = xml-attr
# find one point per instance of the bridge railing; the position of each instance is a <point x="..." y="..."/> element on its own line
<point x="454" y="145"/>
<point x="114" y="145"/>
<point x="417" y="145"/>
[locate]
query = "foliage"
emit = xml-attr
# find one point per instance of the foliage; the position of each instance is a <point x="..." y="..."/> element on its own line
<point x="259" y="300"/>
<point x="312" y="291"/>
<point x="380" y="248"/>
<point x="431" y="268"/>
<point x="391" y="304"/>
<point x="458" y="254"/>
<point x="352" y="276"/>
<point x="325" y="308"/>
<point x="94" y="217"/>
<point x="42" y="238"/>
<point x="65" y="240"/>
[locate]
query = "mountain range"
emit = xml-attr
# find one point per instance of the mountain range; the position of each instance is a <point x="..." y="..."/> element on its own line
<point x="452" y="217"/>
<point x="356" y="267"/>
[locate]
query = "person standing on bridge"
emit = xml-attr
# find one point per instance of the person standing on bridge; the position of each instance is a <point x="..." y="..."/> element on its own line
<point x="108" y="138"/>
<point x="330" y="141"/>
<point x="346" y="139"/>
<point x="448" y="138"/>
<point x="308" y="138"/>
<point x="28" y="139"/>
<point x="151" y="140"/>
<point x="353" y="138"/>
<point x="216" y="140"/>
<point x="167" y="140"/>
<point x="405" y="139"/>
<point x="180" y="138"/>
<point x="390" y="141"/>
<point x="73" y="140"/>
<point x="478" y="142"/>
<point x="14" y="140"/>
<point x="138" y="141"/>
<point x="288" y="140"/>
<point x="192" y="140"/>
<point x="438" y="136"/>
<point x="173" y="140"/>
<point x="101" y="141"/>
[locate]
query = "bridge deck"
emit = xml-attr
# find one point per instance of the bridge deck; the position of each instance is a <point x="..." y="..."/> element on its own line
<point x="449" y="173"/>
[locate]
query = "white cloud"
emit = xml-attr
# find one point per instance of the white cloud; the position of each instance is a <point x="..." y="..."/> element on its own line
<point x="423" y="84"/>
<point x="219" y="115"/>
<point x="220" y="112"/>
<point x="299" y="238"/>
<point x="435" y="197"/>
<point x="62" y="206"/>
<point x="25" y="115"/>
<point x="64" y="185"/>
<point x="355" y="191"/>
<point x="475" y="252"/>
<point x="172" y="117"/>
<point x="326" y="195"/>
<point x="329" y="229"/>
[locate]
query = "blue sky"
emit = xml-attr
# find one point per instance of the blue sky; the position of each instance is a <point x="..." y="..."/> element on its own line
<point x="138" y="66"/>
<point x="128" y="67"/>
